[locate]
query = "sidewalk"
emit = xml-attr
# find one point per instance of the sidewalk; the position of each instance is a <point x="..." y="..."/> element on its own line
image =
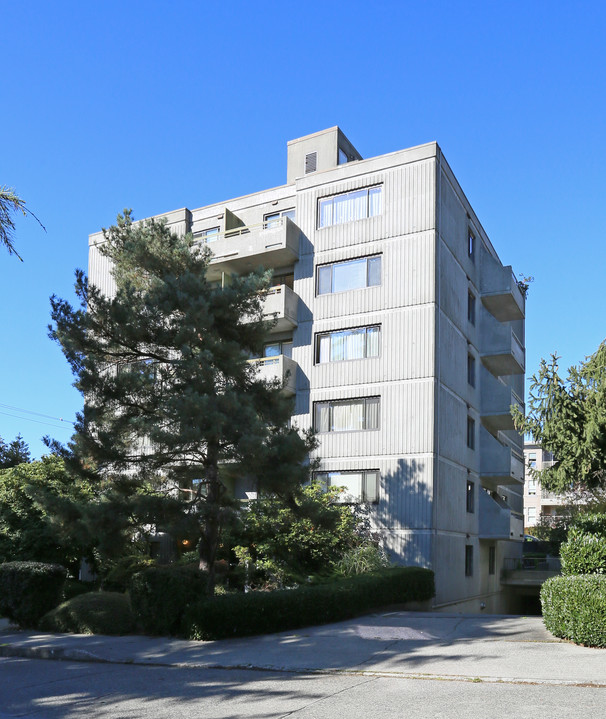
<point x="408" y="644"/>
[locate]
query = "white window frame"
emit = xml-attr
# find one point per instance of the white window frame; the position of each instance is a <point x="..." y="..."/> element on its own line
<point x="321" y="269"/>
<point x="322" y="335"/>
<point x="369" y="485"/>
<point x="331" y="404"/>
<point x="331" y="199"/>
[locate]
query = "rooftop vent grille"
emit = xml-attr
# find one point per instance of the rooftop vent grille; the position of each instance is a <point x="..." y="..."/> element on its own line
<point x="311" y="162"/>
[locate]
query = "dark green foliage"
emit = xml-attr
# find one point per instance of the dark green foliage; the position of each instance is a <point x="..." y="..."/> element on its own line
<point x="575" y="608"/>
<point x="14" y="454"/>
<point x="92" y="613"/>
<point x="29" y="589"/>
<point x="160" y="596"/>
<point x="583" y="553"/>
<point x="40" y="515"/>
<point x="164" y="363"/>
<point x="568" y="418"/>
<point x="591" y="523"/>
<point x="119" y="576"/>
<point x="73" y="588"/>
<point x="237" y="615"/>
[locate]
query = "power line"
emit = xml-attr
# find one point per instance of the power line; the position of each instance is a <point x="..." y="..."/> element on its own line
<point x="37" y="421"/>
<point x="38" y="414"/>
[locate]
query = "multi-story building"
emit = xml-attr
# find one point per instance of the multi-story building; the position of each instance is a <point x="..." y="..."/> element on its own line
<point x="539" y="503"/>
<point x="401" y="337"/>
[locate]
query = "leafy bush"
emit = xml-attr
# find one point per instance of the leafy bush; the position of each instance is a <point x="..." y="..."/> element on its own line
<point x="119" y="575"/>
<point x="73" y="587"/>
<point x="591" y="523"/>
<point x="583" y="553"/>
<point x="575" y="608"/>
<point x="237" y="615"/>
<point x="363" y="559"/>
<point x="92" y="613"/>
<point x="160" y="595"/>
<point x="29" y="589"/>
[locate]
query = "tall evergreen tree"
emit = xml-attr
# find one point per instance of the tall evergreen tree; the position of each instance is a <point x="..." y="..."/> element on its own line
<point x="14" y="453"/>
<point x="163" y="366"/>
<point x="568" y="418"/>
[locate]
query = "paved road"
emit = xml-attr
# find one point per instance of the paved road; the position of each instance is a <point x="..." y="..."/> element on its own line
<point x="72" y="690"/>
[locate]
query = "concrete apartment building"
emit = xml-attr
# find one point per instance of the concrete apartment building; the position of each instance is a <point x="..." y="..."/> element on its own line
<point x="400" y="335"/>
<point x="539" y="502"/>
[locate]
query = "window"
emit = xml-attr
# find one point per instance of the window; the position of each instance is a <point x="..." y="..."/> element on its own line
<point x="470" y="499"/>
<point x="532" y="486"/>
<point x="275" y="349"/>
<point x="360" y="486"/>
<point x="469" y="560"/>
<point x="350" y="206"/>
<point x="342" y="157"/>
<point x="349" y="275"/>
<point x="274" y="219"/>
<point x="532" y="460"/>
<point x="471" y="245"/>
<point x="532" y="514"/>
<point x="358" y="343"/>
<point x="492" y="560"/>
<point x="471" y="370"/>
<point x="471" y="433"/>
<point x="209" y="235"/>
<point x="471" y="308"/>
<point x="347" y="415"/>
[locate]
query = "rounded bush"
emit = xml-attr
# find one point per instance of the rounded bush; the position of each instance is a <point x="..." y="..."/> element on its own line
<point x="92" y="613"/>
<point x="574" y="607"/>
<point x="583" y="553"/>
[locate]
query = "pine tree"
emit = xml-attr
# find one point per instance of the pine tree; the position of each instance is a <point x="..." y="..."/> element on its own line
<point x="568" y="419"/>
<point x="15" y="453"/>
<point x="170" y="394"/>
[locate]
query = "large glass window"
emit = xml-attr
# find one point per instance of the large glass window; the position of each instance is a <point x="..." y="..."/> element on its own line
<point x="350" y="344"/>
<point x="275" y="349"/>
<point x="347" y="415"/>
<point x="349" y="275"/>
<point x="350" y="206"/>
<point x="358" y="486"/>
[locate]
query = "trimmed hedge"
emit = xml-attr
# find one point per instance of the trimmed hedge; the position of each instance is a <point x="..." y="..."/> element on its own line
<point x="583" y="553"/>
<point x="159" y="596"/>
<point x="92" y="613"/>
<point x="28" y="590"/>
<point x="575" y="608"/>
<point x="238" y="615"/>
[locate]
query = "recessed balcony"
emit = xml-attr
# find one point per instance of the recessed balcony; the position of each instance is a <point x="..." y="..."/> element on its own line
<point x="499" y="464"/>
<point x="501" y="351"/>
<point x="279" y="367"/>
<point x="242" y="249"/>
<point x="499" y="290"/>
<point x="496" y="520"/>
<point x="496" y="402"/>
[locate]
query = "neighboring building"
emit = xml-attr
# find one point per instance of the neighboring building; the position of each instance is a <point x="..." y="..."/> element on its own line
<point x="539" y="503"/>
<point x="401" y="337"/>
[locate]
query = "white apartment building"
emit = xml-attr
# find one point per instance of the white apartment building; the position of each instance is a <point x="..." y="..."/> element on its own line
<point x="400" y="335"/>
<point x="538" y="502"/>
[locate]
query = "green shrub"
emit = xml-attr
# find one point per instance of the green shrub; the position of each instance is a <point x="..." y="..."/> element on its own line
<point x="583" y="553"/>
<point x="92" y="613"/>
<point x="118" y="577"/>
<point x="575" y="608"/>
<point x="362" y="559"/>
<point x="237" y="615"/>
<point x="160" y="595"/>
<point x="73" y="587"/>
<point x="29" y="589"/>
<point x="591" y="523"/>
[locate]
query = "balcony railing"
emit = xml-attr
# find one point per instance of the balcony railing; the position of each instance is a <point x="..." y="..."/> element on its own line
<point x="502" y="352"/>
<point x="500" y="292"/>
<point x="242" y="249"/>
<point x="497" y="399"/>
<point x="279" y="367"/>
<point x="499" y="464"/>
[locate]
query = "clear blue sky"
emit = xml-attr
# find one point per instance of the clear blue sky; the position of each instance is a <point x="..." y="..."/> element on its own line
<point x="156" y="105"/>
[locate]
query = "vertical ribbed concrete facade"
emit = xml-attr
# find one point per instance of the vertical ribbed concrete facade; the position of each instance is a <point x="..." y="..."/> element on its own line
<point x="401" y="336"/>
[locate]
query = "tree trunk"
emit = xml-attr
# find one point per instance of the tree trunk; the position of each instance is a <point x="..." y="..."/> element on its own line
<point x="211" y="529"/>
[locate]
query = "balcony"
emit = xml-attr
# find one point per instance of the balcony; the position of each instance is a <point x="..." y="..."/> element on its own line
<point x="501" y="351"/>
<point x="499" y="290"/>
<point x="496" y="401"/>
<point x="281" y="304"/>
<point x="281" y="368"/>
<point x="242" y="249"/>
<point x="496" y="519"/>
<point x="498" y="462"/>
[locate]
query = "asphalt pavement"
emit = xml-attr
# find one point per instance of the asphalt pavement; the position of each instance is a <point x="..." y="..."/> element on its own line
<point x="487" y="648"/>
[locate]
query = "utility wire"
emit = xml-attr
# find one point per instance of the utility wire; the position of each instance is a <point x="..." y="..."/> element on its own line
<point x="38" y="414"/>
<point x="37" y="421"/>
